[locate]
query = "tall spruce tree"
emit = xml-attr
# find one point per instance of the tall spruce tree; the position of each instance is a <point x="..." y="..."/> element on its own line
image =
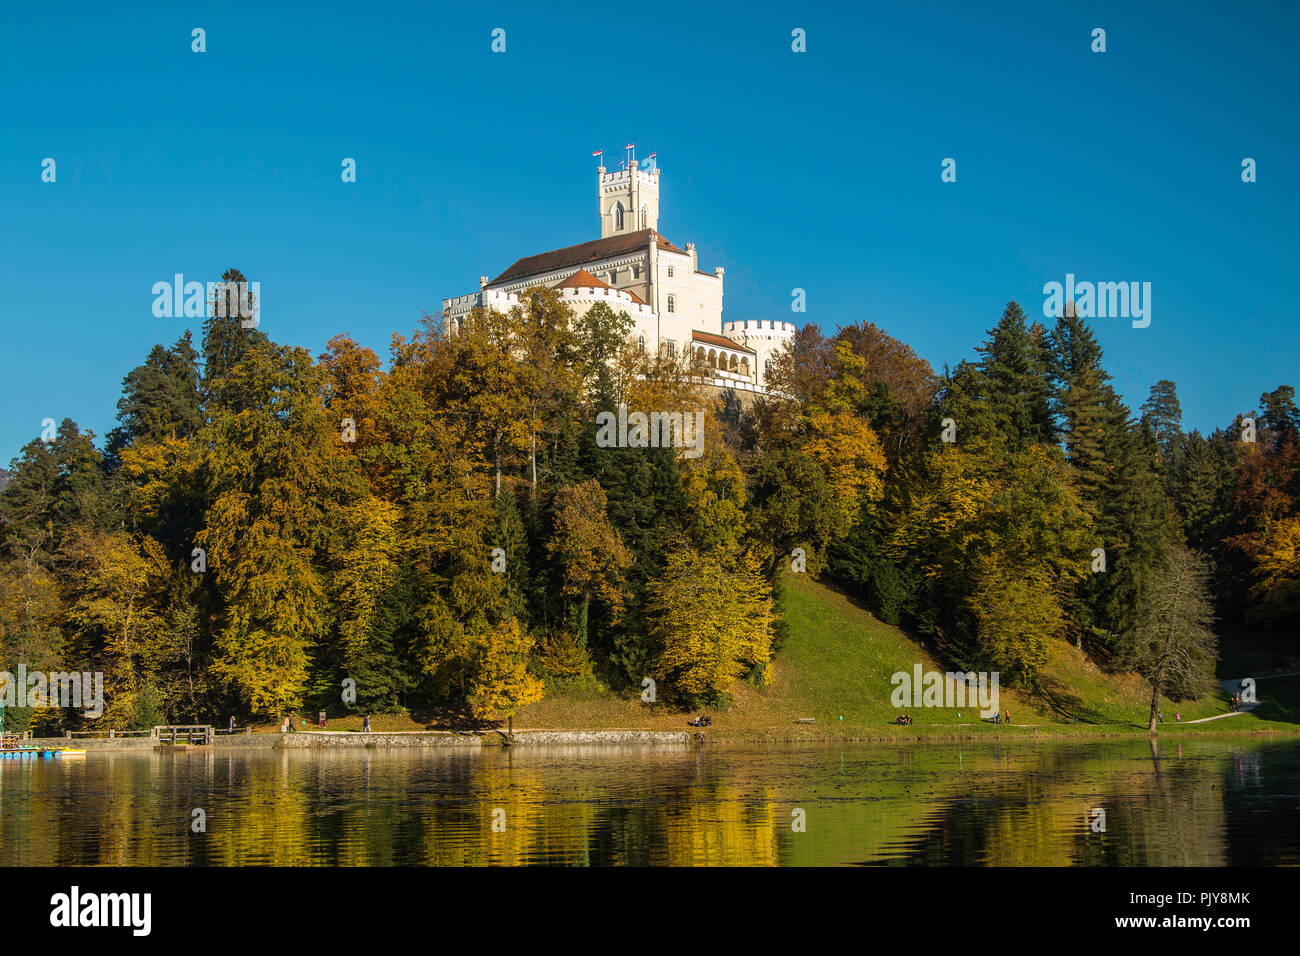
<point x="1163" y="414"/>
<point x="160" y="399"/>
<point x="226" y="336"/>
<point x="1014" y="369"/>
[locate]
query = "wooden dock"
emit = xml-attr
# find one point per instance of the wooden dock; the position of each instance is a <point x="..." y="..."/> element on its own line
<point x="180" y="736"/>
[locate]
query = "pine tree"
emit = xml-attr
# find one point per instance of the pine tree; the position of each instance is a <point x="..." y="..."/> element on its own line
<point x="225" y="337"/>
<point x="1163" y="414"/>
<point x="1014" y="380"/>
<point x="160" y="398"/>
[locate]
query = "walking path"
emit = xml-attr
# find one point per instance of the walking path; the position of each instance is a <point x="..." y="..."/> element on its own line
<point x="1232" y="713"/>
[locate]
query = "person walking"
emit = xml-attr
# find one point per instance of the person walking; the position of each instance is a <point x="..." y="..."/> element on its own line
<point x="365" y="724"/>
<point x="320" y="720"/>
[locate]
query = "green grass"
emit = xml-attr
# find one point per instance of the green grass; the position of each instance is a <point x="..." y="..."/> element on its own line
<point x="836" y="665"/>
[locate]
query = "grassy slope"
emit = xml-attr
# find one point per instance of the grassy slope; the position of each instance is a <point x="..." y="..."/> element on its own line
<point x="836" y="667"/>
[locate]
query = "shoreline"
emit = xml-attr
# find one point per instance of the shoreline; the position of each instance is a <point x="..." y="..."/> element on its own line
<point x="478" y="740"/>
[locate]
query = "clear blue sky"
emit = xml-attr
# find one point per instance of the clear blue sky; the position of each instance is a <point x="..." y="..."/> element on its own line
<point x="817" y="170"/>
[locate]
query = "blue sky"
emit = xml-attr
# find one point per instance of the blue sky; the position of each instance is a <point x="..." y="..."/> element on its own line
<point x="818" y="170"/>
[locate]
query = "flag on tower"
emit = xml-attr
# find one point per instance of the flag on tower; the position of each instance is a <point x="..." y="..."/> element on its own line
<point x="630" y="146"/>
<point x="652" y="156"/>
<point x="598" y="152"/>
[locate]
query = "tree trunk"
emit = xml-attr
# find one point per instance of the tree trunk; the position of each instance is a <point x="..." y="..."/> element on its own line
<point x="1155" y="704"/>
<point x="496" y="455"/>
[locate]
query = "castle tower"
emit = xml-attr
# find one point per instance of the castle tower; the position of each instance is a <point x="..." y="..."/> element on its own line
<point x="627" y="200"/>
<point x="766" y="337"/>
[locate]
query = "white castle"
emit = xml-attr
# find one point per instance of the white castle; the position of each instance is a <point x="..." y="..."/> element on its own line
<point x="674" y="305"/>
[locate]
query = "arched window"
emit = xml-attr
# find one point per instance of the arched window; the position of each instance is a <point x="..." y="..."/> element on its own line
<point x="733" y="364"/>
<point x="643" y="217"/>
<point x="767" y="367"/>
<point x="640" y="342"/>
<point x="618" y="217"/>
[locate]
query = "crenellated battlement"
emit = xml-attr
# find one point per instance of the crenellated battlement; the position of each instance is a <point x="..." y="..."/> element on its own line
<point x="618" y="299"/>
<point x="580" y="296"/>
<point x="759" y="328"/>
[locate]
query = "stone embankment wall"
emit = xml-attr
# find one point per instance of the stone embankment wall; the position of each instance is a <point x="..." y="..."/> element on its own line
<point x="317" y="740"/>
<point x="312" y="740"/>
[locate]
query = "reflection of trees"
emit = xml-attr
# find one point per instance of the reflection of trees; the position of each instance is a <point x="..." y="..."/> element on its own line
<point x="1157" y="813"/>
<point x="906" y="803"/>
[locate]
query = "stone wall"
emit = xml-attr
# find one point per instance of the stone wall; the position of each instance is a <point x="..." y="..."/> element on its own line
<point x="310" y="740"/>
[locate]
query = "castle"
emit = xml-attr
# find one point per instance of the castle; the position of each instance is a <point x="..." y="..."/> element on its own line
<point x="674" y="305"/>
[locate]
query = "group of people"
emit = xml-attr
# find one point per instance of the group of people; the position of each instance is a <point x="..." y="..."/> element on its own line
<point x="286" y="725"/>
<point x="704" y="720"/>
<point x="1002" y="718"/>
<point x="1236" y="702"/>
<point x="903" y="719"/>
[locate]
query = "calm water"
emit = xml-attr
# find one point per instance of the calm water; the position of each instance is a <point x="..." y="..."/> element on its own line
<point x="1199" y="803"/>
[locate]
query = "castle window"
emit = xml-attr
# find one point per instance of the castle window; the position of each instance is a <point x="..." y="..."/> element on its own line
<point x="613" y="276"/>
<point x="672" y="349"/>
<point x="670" y="272"/>
<point x="672" y="304"/>
<point x="636" y="272"/>
<point x="767" y="367"/>
<point x="640" y="343"/>
<point x="618" y="217"/>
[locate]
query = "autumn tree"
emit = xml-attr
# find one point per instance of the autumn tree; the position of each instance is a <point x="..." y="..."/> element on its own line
<point x="276" y="486"/>
<point x="713" y="623"/>
<point x="501" y="683"/>
<point x="586" y="546"/>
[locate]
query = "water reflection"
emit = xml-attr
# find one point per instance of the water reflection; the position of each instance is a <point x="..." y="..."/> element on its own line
<point x="1195" y="803"/>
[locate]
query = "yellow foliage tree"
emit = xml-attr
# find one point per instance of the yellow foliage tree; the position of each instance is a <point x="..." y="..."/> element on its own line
<point x="848" y="449"/>
<point x="501" y="684"/>
<point x="593" y="556"/>
<point x="117" y="605"/>
<point x="713" y="623"/>
<point x="1277" y="588"/>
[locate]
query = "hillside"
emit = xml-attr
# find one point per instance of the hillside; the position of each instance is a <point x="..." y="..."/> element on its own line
<point x="836" y="668"/>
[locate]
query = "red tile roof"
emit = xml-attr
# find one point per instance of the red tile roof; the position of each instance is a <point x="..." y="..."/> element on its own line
<point x="583" y="252"/>
<point x="582" y="279"/>
<point x="710" y="339"/>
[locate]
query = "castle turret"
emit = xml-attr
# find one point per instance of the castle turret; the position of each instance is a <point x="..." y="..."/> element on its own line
<point x="766" y="337"/>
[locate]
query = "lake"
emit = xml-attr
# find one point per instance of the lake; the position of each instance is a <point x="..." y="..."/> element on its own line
<point x="1207" y="801"/>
